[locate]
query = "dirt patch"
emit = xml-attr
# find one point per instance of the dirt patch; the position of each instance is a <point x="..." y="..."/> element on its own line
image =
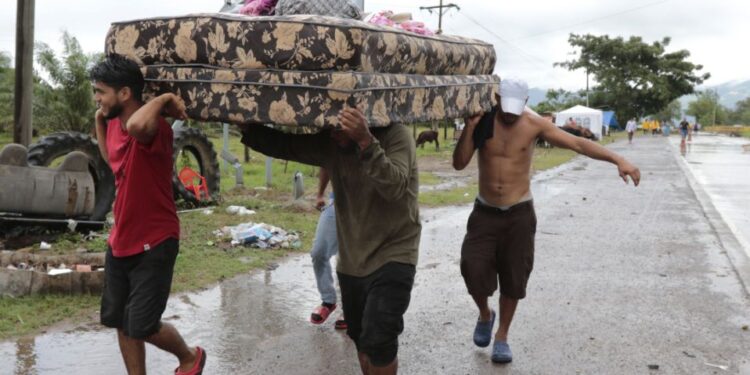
<point x="449" y="177"/>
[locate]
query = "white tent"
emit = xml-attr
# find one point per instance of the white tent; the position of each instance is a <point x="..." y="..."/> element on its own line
<point x="589" y="118"/>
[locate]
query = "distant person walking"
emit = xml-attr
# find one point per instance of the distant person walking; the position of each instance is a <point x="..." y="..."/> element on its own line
<point x="684" y="126"/>
<point x="630" y="127"/>
<point x="666" y="127"/>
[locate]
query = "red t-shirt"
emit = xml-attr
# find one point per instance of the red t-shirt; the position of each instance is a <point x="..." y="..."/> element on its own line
<point x="145" y="212"/>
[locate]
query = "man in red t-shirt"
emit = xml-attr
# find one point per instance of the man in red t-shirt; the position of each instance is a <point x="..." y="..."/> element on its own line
<point x="144" y="242"/>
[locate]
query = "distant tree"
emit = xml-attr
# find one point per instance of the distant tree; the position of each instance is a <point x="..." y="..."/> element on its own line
<point x="707" y="109"/>
<point x="741" y="113"/>
<point x="634" y="78"/>
<point x="558" y="100"/>
<point x="65" y="101"/>
<point x="672" y="111"/>
<point x="6" y="92"/>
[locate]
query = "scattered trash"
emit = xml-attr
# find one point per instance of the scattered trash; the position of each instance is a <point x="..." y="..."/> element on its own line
<point x="720" y="367"/>
<point x="208" y="212"/>
<point x="688" y="354"/>
<point x="82" y="268"/>
<point x="466" y="194"/>
<point x="272" y="266"/>
<point x="663" y="275"/>
<point x="44" y="246"/>
<point x="745" y="327"/>
<point x="72" y="224"/>
<point x="239" y="210"/>
<point x="260" y="235"/>
<point x="584" y="198"/>
<point x="59" y="271"/>
<point x="54" y="270"/>
<point x="93" y="235"/>
<point x="209" y="243"/>
<point x="653" y="367"/>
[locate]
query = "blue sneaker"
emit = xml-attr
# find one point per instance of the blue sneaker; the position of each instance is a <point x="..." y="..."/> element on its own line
<point x="483" y="332"/>
<point x="501" y="352"/>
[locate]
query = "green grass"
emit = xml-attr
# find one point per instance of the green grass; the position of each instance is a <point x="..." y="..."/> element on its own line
<point x="428" y="178"/>
<point x="5" y="138"/>
<point x="744" y="131"/>
<point x="20" y="316"/>
<point x="546" y="158"/>
<point x="452" y="197"/>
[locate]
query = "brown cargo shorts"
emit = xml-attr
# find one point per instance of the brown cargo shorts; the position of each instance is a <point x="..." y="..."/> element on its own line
<point x="499" y="246"/>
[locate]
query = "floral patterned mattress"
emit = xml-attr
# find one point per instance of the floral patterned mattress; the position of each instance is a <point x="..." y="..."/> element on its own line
<point x="301" y="70"/>
<point x="308" y="98"/>
<point x="300" y="42"/>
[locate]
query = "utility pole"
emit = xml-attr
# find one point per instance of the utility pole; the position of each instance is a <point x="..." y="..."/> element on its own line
<point x="440" y="13"/>
<point x="24" y="86"/>
<point x="587" y="86"/>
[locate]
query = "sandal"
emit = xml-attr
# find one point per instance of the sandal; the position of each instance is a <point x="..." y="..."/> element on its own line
<point x="321" y="313"/>
<point x="341" y="323"/>
<point x="200" y="362"/>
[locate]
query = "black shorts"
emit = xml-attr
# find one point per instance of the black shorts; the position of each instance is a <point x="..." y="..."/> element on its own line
<point x="499" y="246"/>
<point x="374" y="308"/>
<point x="136" y="289"/>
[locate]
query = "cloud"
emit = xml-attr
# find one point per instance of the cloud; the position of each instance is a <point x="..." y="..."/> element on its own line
<point x="529" y="36"/>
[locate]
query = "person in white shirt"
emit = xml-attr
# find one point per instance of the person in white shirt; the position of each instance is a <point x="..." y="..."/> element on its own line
<point x="630" y="127"/>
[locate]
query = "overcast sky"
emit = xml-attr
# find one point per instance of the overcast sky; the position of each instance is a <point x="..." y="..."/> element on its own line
<point x="529" y="35"/>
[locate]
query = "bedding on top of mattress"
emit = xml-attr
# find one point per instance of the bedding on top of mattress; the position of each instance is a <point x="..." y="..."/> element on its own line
<point x="299" y="42"/>
<point x="313" y="99"/>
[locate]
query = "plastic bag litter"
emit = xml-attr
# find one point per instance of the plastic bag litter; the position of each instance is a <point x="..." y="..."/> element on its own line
<point x="239" y="210"/>
<point x="260" y="235"/>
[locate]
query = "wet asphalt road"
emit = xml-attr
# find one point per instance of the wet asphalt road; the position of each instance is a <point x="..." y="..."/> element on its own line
<point x="624" y="278"/>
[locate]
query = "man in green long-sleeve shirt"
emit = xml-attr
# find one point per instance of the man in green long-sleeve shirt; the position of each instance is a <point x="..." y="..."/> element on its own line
<point x="374" y="178"/>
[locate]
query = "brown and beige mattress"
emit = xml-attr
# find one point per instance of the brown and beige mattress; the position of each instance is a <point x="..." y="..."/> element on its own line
<point x="290" y="98"/>
<point x="301" y="70"/>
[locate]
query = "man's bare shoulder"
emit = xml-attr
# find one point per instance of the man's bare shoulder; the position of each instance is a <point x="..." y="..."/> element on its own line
<point x="535" y="123"/>
<point x="535" y="119"/>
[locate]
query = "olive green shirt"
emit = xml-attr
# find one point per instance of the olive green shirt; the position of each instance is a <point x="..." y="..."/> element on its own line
<point x="377" y="213"/>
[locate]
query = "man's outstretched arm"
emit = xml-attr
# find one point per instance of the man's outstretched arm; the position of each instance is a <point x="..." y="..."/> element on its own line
<point x="559" y="138"/>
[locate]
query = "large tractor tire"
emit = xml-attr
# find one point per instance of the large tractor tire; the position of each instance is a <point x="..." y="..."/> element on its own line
<point x="56" y="145"/>
<point x="194" y="144"/>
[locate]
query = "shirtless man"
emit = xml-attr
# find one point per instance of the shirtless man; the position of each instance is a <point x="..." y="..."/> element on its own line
<point x="499" y="243"/>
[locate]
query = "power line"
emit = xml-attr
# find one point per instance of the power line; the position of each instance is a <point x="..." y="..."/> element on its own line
<point x="440" y="12"/>
<point x="529" y="57"/>
<point x="571" y="26"/>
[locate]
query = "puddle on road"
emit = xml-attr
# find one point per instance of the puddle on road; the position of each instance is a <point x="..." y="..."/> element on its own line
<point x="721" y="165"/>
